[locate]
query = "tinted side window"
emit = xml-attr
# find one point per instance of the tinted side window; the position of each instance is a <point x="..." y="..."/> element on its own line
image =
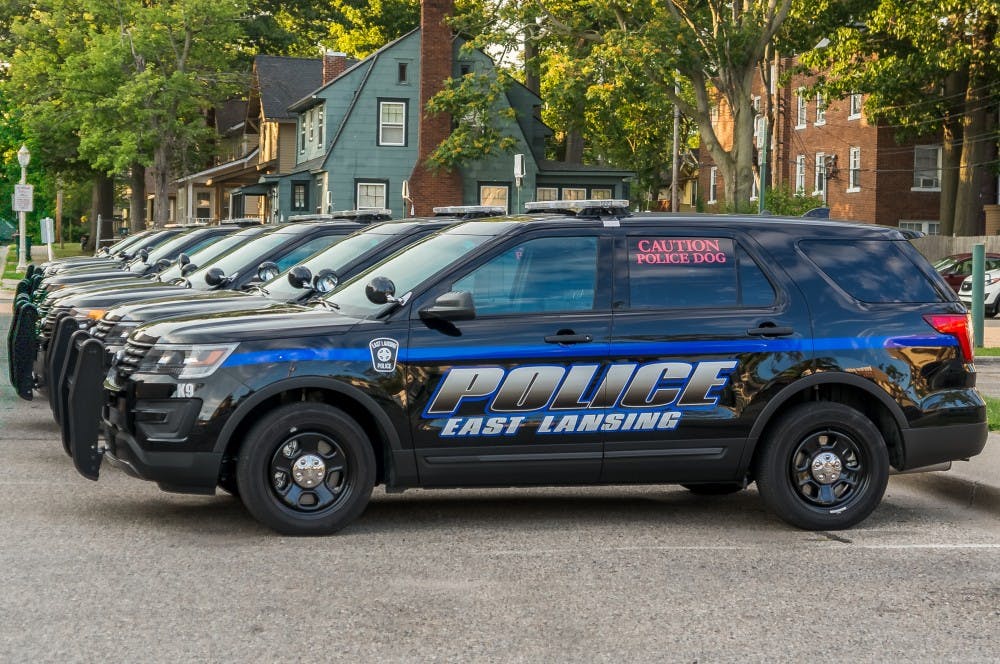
<point x="871" y="270"/>
<point x="544" y="274"/>
<point x="304" y="251"/>
<point x="693" y="272"/>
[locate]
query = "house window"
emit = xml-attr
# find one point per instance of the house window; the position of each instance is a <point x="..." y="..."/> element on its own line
<point x="927" y="168"/>
<point x="312" y="125"/>
<point x="302" y="133"/>
<point x="755" y="187"/>
<point x="925" y="227"/>
<point x="819" y="185"/>
<point x="204" y="205"/>
<point x="714" y="112"/>
<point x="755" y="102"/>
<point x="464" y="69"/>
<point x="547" y="194"/>
<point x="402" y="75"/>
<point x="713" y="184"/>
<point x="494" y="194"/>
<point x="601" y="194"/>
<point x="319" y="185"/>
<point x="800" y="117"/>
<point x="371" y="195"/>
<point x="300" y="196"/>
<point x="574" y="194"/>
<point x="820" y="109"/>
<point x="854" y="170"/>
<point x="320" y="112"/>
<point x="800" y="174"/>
<point x="854" y="110"/>
<point x="392" y="123"/>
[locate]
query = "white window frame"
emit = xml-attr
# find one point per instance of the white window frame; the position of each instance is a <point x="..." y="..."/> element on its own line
<point x="492" y="200"/>
<point x="820" y="110"/>
<point x="919" y="182"/>
<point x="800" y="175"/>
<point x="383" y="125"/>
<point x="755" y="186"/>
<point x="819" y="175"/>
<point x="854" y="170"/>
<point x="375" y="186"/>
<point x="302" y="133"/>
<point x="713" y="184"/>
<point x="802" y="109"/>
<point x="319" y="125"/>
<point x="925" y="227"/>
<point x="550" y="194"/>
<point x="311" y="123"/>
<point x="574" y="194"/>
<point x="854" y="107"/>
<point x="601" y="194"/>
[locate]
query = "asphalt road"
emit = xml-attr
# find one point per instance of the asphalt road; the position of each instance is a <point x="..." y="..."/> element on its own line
<point x="119" y="571"/>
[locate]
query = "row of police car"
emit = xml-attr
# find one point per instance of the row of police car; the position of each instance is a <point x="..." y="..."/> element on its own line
<point x="299" y="365"/>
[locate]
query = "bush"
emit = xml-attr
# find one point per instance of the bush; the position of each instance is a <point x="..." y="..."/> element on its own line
<point x="786" y="203"/>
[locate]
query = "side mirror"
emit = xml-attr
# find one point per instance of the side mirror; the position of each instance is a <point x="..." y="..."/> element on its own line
<point x="162" y="264"/>
<point x="144" y="254"/>
<point x="456" y="305"/>
<point x="299" y="276"/>
<point x="380" y="290"/>
<point x="326" y="281"/>
<point x="215" y="277"/>
<point x="188" y="269"/>
<point x="183" y="259"/>
<point x="267" y="271"/>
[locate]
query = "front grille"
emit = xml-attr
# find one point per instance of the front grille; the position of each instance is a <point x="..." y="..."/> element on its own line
<point x="48" y="324"/>
<point x="100" y="331"/>
<point x="131" y="357"/>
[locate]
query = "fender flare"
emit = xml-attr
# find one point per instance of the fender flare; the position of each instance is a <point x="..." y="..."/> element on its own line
<point x="823" y="378"/>
<point x="382" y="420"/>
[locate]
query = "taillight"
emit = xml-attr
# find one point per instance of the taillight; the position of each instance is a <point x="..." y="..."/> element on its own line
<point x="955" y="325"/>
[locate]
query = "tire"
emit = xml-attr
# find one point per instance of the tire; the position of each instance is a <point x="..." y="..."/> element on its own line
<point x="992" y="311"/>
<point x="824" y="497"/>
<point x="331" y="455"/>
<point x="714" y="488"/>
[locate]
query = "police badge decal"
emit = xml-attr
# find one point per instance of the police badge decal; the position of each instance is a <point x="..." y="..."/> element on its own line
<point x="384" y="351"/>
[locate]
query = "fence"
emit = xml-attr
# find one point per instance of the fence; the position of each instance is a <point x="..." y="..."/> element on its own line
<point x="939" y="246"/>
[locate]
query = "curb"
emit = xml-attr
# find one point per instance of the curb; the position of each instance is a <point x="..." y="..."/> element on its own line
<point x="972" y="493"/>
<point x="987" y="359"/>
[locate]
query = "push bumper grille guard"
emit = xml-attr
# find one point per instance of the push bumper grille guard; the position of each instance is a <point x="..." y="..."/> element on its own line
<point x="84" y="400"/>
<point x="55" y="362"/>
<point x="23" y="346"/>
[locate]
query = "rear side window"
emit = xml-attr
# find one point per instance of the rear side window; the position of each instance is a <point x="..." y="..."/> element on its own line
<point x="694" y="272"/>
<point x="872" y="271"/>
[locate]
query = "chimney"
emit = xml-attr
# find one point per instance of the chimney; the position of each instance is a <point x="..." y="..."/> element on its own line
<point x="428" y="189"/>
<point x="334" y="64"/>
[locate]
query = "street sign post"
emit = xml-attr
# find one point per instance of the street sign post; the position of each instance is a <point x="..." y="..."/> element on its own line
<point x="48" y="233"/>
<point x="24" y="197"/>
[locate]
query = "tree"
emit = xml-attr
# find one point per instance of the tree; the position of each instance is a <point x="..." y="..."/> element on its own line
<point x="927" y="68"/>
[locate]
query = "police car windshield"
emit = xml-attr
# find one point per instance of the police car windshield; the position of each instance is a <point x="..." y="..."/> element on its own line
<point x="255" y="250"/>
<point x="336" y="257"/>
<point x="205" y="256"/>
<point x="168" y="249"/>
<point x="407" y="269"/>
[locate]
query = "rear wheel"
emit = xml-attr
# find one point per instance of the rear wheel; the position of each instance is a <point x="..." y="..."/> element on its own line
<point x="306" y="469"/>
<point x="824" y="466"/>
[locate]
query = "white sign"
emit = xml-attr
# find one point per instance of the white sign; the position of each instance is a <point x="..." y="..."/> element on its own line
<point x="48" y="231"/>
<point x="24" y="198"/>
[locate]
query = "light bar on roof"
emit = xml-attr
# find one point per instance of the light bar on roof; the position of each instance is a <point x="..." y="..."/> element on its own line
<point x="575" y="205"/>
<point x="466" y="209"/>
<point x="346" y="214"/>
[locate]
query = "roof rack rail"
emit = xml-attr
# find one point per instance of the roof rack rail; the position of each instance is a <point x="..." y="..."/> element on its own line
<point x="363" y="215"/>
<point x="604" y="207"/>
<point x="469" y="211"/>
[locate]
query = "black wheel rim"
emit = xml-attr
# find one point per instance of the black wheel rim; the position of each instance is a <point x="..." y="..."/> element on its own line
<point x="309" y="473"/>
<point x="828" y="469"/>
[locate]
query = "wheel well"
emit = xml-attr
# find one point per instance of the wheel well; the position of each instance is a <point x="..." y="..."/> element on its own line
<point x="848" y="395"/>
<point x="345" y="403"/>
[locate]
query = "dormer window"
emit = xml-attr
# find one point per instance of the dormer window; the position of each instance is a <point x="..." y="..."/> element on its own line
<point x="391" y="122"/>
<point x="402" y="73"/>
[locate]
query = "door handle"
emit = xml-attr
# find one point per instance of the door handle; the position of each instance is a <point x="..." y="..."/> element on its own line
<point x="770" y="330"/>
<point x="569" y="339"/>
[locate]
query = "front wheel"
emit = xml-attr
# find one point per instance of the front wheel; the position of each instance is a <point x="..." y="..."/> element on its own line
<point x="306" y="469"/>
<point x="824" y="466"/>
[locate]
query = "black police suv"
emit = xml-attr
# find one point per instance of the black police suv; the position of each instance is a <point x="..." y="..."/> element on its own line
<point x="706" y="351"/>
<point x="117" y="254"/>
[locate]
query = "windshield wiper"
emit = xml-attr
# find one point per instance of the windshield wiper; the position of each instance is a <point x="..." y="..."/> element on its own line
<point x="257" y="288"/>
<point x="326" y="304"/>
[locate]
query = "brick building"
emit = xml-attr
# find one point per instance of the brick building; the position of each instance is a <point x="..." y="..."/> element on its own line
<point x="828" y="149"/>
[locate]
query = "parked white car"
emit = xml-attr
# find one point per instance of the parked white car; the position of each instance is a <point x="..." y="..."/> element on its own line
<point x="991" y="290"/>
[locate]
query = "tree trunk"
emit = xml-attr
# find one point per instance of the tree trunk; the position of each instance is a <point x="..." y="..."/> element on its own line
<point x="954" y="85"/>
<point x="161" y="180"/>
<point x="574" y="146"/>
<point x="102" y="204"/>
<point x="532" y="78"/>
<point x="137" y="202"/>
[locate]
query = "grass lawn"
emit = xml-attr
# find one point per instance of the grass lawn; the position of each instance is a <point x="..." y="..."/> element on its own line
<point x="993" y="412"/>
<point x="9" y="271"/>
<point x="988" y="352"/>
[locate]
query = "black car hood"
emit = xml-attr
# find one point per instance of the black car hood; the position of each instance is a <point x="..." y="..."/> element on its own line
<point x="89" y="276"/>
<point x="277" y="320"/>
<point x="111" y="297"/>
<point x="188" y="304"/>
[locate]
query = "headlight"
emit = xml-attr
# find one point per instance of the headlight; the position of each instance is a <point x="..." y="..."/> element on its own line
<point x="992" y="279"/>
<point x="185" y="361"/>
<point x="117" y="335"/>
<point x="87" y="317"/>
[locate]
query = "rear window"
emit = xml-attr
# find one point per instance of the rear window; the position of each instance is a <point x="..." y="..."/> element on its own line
<point x="872" y="271"/>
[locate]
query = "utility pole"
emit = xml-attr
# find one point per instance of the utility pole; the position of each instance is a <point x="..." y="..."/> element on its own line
<point x="675" y="204"/>
<point x="59" y="213"/>
<point x="762" y="148"/>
